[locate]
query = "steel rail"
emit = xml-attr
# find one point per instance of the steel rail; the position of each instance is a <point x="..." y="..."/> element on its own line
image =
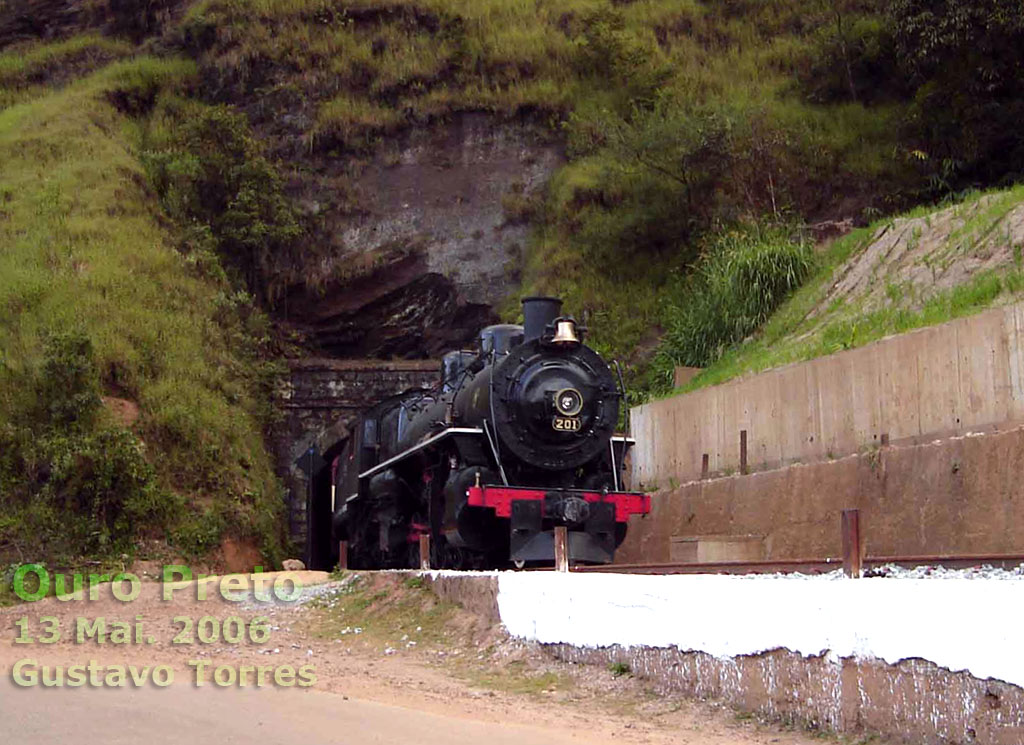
<point x="805" y="566"/>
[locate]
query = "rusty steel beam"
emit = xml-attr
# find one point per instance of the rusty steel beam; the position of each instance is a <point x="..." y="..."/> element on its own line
<point x="850" y="525"/>
<point x="743" y="451"/>
<point x="424" y="551"/>
<point x="948" y="561"/>
<point x="808" y="566"/>
<point x="561" y="549"/>
<point x="804" y="566"/>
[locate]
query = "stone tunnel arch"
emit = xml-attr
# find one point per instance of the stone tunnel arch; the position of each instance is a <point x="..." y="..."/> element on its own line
<point x="321" y="400"/>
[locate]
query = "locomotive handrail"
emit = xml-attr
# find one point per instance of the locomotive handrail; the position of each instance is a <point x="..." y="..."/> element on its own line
<point x="419" y="446"/>
<point x="491" y="439"/>
<point x="626" y="417"/>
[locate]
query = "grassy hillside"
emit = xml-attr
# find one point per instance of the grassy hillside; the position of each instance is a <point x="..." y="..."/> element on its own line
<point x="683" y="121"/>
<point x="146" y="163"/>
<point x="132" y="392"/>
<point x="678" y="116"/>
<point x="925" y="267"/>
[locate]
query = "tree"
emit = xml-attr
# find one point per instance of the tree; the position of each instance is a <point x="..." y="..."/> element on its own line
<point x="965" y="59"/>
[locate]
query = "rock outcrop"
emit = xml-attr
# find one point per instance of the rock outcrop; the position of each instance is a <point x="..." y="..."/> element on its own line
<point x="424" y="243"/>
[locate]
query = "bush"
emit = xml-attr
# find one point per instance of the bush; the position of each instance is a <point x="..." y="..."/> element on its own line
<point x="610" y="52"/>
<point x="103" y="489"/>
<point x="618" y="669"/>
<point x="965" y="59"/>
<point x="68" y="391"/>
<point x="853" y="59"/>
<point x="741" y="278"/>
<point x="211" y="176"/>
<point x="651" y="187"/>
<point x="74" y="484"/>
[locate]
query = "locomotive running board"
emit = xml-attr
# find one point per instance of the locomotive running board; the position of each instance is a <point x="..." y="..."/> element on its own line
<point x="420" y="446"/>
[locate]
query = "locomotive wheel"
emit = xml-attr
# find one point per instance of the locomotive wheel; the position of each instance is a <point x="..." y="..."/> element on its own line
<point x="454" y="558"/>
<point x="413" y="558"/>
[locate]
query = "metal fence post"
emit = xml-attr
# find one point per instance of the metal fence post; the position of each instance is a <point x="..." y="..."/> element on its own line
<point x="342" y="554"/>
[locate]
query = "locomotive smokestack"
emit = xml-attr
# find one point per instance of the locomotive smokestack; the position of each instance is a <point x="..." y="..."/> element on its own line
<point x="538" y="312"/>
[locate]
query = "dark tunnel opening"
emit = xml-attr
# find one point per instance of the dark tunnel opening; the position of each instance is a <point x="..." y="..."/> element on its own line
<point x="321" y="549"/>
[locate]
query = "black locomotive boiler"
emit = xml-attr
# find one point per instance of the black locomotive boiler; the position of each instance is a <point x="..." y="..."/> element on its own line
<point x="518" y="438"/>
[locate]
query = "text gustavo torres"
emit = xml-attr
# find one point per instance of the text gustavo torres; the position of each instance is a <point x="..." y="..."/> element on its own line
<point x="33" y="583"/>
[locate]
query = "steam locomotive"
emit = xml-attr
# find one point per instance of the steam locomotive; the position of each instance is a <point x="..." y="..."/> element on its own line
<point x="518" y="438"/>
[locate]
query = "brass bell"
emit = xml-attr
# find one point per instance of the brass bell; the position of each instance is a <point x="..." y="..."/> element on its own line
<point x="565" y="332"/>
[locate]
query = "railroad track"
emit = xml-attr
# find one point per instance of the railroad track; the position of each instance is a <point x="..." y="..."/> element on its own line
<point x="809" y="566"/>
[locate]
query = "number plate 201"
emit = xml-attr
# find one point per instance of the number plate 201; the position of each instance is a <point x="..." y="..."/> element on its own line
<point x="565" y="424"/>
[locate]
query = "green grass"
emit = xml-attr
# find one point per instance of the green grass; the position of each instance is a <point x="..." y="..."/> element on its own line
<point x="793" y="335"/>
<point x="407" y="617"/>
<point x="83" y="249"/>
<point x="27" y="69"/>
<point x="515" y="677"/>
<point x="740" y="279"/>
<point x="618" y="669"/>
<point x="385" y="609"/>
<point x="649" y="95"/>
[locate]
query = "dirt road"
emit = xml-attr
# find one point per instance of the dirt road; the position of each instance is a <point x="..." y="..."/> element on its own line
<point x="183" y="714"/>
<point x="391" y="664"/>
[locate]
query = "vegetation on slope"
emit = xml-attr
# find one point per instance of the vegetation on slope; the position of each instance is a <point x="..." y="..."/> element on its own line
<point x="733" y="291"/>
<point x="26" y="71"/>
<point x="213" y="179"/>
<point x="977" y="239"/>
<point x="679" y="117"/>
<point x="682" y="120"/>
<point x="95" y="301"/>
<point x="701" y="137"/>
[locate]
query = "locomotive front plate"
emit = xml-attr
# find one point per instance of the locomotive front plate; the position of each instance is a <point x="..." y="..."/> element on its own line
<point x="565" y="424"/>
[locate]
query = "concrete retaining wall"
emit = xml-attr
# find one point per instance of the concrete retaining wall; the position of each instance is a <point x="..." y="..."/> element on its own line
<point x="962" y="495"/>
<point x="962" y="376"/>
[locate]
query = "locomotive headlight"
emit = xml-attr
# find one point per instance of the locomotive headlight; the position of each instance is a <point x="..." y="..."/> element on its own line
<point x="569" y="402"/>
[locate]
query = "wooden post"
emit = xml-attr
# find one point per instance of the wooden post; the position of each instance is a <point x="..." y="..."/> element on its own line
<point x="561" y="549"/>
<point x="424" y="551"/>
<point x="342" y="554"/>
<point x="704" y="466"/>
<point x="743" y="451"/>
<point x="851" y="543"/>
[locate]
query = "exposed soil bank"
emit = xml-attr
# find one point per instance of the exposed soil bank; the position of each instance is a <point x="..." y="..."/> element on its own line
<point x="914" y="699"/>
